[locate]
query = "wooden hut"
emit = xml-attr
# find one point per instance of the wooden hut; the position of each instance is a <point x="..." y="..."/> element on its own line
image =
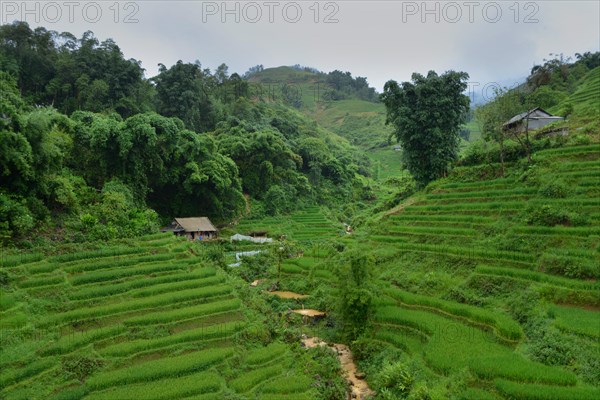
<point x="196" y="228"/>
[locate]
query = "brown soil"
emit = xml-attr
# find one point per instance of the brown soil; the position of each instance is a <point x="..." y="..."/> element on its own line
<point x="359" y="389"/>
<point x="310" y="313"/>
<point x="288" y="295"/>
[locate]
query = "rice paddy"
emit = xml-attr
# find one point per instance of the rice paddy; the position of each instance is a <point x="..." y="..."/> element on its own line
<point x="125" y="322"/>
<point x="151" y="319"/>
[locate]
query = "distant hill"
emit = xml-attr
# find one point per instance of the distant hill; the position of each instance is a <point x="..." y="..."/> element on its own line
<point x="362" y="122"/>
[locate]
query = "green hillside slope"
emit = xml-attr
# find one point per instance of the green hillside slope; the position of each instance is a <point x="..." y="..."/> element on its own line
<point x="143" y="319"/>
<point x="487" y="286"/>
<point x="585" y="103"/>
<point x="515" y="258"/>
<point x="361" y="122"/>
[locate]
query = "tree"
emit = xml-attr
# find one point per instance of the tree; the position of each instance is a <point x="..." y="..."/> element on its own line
<point x="222" y="73"/>
<point x="427" y="114"/>
<point x="356" y="294"/>
<point x="493" y="115"/>
<point x="184" y="91"/>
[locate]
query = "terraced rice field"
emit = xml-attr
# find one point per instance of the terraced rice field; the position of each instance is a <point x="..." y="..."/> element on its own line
<point x="304" y="226"/>
<point x="154" y="321"/>
<point x="148" y="321"/>
<point x="460" y="239"/>
<point x="457" y="218"/>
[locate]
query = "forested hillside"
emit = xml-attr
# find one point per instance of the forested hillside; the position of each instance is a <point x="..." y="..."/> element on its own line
<point x="92" y="145"/>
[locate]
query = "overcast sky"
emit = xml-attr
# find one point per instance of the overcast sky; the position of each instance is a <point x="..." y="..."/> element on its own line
<point x="381" y="40"/>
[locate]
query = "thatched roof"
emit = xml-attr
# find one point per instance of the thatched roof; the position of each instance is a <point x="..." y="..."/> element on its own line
<point x="195" y="224"/>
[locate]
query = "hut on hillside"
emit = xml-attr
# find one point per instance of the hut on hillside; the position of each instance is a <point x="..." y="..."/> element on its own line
<point x="196" y="228"/>
<point x="530" y="120"/>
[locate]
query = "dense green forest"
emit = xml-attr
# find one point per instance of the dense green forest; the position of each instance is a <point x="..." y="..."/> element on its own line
<point x="91" y="145"/>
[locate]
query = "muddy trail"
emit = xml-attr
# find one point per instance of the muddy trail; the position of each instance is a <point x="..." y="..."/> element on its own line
<point x="359" y="389"/>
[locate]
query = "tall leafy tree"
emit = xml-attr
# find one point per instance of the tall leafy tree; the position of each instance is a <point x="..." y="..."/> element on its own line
<point x="184" y="91"/>
<point x="357" y="293"/>
<point x="427" y="114"/>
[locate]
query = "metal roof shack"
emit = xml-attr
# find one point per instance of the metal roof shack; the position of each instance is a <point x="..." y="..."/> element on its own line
<point x="530" y="120"/>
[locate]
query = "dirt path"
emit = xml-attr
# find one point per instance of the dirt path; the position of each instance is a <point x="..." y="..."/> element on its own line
<point x="288" y="295"/>
<point x="309" y="312"/>
<point x="358" y="386"/>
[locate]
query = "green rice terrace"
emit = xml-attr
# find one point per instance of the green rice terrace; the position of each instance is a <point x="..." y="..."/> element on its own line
<point x="487" y="289"/>
<point x="140" y="319"/>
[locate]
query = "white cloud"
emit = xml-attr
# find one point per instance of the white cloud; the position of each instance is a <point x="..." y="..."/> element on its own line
<point x="378" y="39"/>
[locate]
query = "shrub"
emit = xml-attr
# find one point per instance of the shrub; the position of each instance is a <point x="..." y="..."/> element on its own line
<point x="215" y="254"/>
<point x="80" y="367"/>
<point x="254" y="267"/>
<point x="394" y="380"/>
<point x="548" y="346"/>
<point x="4" y="278"/>
<point x="549" y="215"/>
<point x="555" y="189"/>
<point x="580" y="139"/>
<point x="15" y="217"/>
<point x="568" y="266"/>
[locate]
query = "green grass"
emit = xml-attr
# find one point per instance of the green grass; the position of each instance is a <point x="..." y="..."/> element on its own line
<point x="164" y="389"/>
<point x="536" y="277"/>
<point x="406" y="340"/>
<point x="417" y="230"/>
<point x="194" y="335"/>
<point x="295" y="396"/>
<point x="287" y="385"/>
<point x="105" y="252"/>
<point x="476" y="394"/>
<point x="76" y="340"/>
<point x="249" y="380"/>
<point x="452" y="345"/>
<point x="112" y="262"/>
<point x="576" y="320"/>
<point x="111" y="288"/>
<point x="163" y="317"/>
<point x="153" y="370"/>
<point x="8" y="377"/>
<point x="468" y="252"/>
<point x="522" y="391"/>
<point x="176" y="286"/>
<point x="505" y="326"/>
<point x="118" y="273"/>
<point x="266" y="354"/>
<point x="137" y="304"/>
<point x="13" y="260"/>
<point x="42" y="281"/>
